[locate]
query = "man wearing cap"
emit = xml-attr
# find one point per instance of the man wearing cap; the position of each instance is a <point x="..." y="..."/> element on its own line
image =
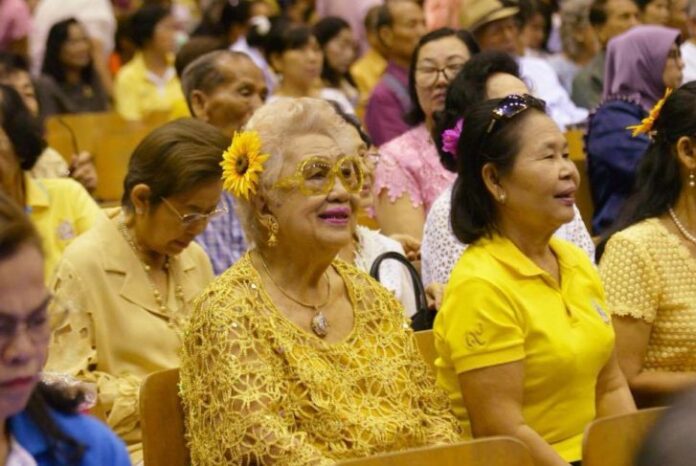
<point x="400" y="24"/>
<point x="496" y="27"/>
<point x="609" y="18"/>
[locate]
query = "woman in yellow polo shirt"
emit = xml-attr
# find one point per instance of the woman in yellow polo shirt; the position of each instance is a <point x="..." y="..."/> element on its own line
<point x="60" y="209"/>
<point x="525" y="344"/>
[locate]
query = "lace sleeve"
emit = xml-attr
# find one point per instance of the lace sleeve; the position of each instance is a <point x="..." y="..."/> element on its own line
<point x="440" y="249"/>
<point x="391" y="177"/>
<point x="630" y="278"/>
<point x="232" y="396"/>
<point x="73" y="351"/>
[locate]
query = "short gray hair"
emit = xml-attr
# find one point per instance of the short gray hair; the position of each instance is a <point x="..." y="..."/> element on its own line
<point x="204" y="73"/>
<point x="277" y="122"/>
<point x="575" y="15"/>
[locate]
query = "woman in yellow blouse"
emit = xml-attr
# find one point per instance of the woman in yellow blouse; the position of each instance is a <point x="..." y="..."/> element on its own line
<point x="130" y="281"/>
<point x="649" y="264"/>
<point x="292" y="356"/>
<point x="148" y="83"/>
<point x="525" y="345"/>
<point x="60" y="209"/>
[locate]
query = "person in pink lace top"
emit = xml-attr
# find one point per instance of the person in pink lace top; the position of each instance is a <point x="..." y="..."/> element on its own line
<point x="409" y="176"/>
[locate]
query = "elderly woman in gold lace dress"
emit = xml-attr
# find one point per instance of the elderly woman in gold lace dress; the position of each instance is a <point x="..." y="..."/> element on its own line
<point x="292" y="356"/>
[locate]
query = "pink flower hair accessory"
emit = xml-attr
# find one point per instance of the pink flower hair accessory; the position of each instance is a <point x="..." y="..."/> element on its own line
<point x="450" y="138"/>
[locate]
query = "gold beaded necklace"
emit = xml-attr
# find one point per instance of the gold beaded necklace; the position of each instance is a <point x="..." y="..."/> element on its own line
<point x="174" y="318"/>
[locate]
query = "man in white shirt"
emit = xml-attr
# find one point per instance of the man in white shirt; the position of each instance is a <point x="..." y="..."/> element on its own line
<point x="495" y="27"/>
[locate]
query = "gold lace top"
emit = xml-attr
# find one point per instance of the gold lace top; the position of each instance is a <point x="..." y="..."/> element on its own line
<point x="257" y="389"/>
<point x="650" y="275"/>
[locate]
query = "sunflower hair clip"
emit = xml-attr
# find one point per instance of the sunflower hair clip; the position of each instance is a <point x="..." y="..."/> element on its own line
<point x="646" y="125"/>
<point x="242" y="164"/>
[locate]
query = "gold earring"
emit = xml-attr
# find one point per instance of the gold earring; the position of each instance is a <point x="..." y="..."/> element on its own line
<point x="692" y="179"/>
<point x="502" y="197"/>
<point x="271" y="224"/>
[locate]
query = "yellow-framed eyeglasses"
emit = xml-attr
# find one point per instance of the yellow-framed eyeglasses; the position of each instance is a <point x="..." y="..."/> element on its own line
<point x="317" y="175"/>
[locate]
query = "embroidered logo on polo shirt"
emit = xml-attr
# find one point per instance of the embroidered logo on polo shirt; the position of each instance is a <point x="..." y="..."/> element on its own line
<point x="65" y="231"/>
<point x="601" y="312"/>
<point x="474" y="337"/>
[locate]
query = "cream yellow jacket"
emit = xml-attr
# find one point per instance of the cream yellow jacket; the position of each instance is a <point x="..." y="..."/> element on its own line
<point x="115" y="334"/>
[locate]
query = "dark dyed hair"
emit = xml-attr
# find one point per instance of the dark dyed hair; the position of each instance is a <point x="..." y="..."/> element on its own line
<point x="325" y="30"/>
<point x="642" y="4"/>
<point x="175" y="158"/>
<point x="658" y="179"/>
<point x="144" y="21"/>
<point x="473" y="213"/>
<point x="598" y="13"/>
<point x="57" y="37"/>
<point x="466" y="89"/>
<point x="11" y="63"/>
<point x="285" y="35"/>
<point x="353" y="121"/>
<point x="21" y="127"/>
<point x="416" y="115"/>
<point x="16" y="231"/>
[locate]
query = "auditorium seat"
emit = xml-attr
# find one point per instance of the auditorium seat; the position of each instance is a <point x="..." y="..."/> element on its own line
<point x="108" y="137"/>
<point x="493" y="451"/>
<point x="615" y="440"/>
<point x="162" y="420"/>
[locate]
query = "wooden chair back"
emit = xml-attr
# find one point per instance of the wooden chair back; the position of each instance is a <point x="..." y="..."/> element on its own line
<point x="108" y="137"/>
<point x="494" y="451"/>
<point x="426" y="344"/>
<point x="615" y="440"/>
<point x="162" y="420"/>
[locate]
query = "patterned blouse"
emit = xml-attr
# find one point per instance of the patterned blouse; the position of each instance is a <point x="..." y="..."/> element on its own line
<point x="650" y="274"/>
<point x="410" y="164"/>
<point x="440" y="249"/>
<point x="259" y="390"/>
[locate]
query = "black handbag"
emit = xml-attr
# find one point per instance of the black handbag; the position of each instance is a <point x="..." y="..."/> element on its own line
<point x="423" y="318"/>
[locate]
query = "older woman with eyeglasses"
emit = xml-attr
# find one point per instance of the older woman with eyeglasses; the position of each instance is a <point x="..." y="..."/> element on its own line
<point x="525" y="343"/>
<point x="131" y="280"/>
<point x="409" y="176"/>
<point x="293" y="356"/>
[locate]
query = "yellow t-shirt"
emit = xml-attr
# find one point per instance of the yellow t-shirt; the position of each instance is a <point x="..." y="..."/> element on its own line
<point x="137" y="92"/>
<point x="500" y="307"/>
<point x="61" y="210"/>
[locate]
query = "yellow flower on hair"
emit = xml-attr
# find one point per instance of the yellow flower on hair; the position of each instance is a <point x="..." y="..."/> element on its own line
<point x="646" y="125"/>
<point x="242" y="164"/>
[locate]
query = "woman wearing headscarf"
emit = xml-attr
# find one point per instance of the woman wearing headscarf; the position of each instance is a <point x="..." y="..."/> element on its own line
<point x="641" y="64"/>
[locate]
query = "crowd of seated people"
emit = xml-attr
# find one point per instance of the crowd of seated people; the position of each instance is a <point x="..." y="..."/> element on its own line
<point x="290" y="145"/>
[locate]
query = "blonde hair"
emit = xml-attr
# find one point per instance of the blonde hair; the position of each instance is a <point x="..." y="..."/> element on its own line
<point x="276" y="123"/>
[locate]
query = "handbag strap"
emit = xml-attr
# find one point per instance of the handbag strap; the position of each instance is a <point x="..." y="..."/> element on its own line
<point x="421" y="301"/>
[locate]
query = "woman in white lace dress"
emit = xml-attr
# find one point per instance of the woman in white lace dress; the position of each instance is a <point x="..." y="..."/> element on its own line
<point x="487" y="75"/>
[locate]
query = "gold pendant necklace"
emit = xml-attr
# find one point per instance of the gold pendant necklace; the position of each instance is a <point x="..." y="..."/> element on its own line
<point x="319" y="323"/>
<point x="178" y="289"/>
